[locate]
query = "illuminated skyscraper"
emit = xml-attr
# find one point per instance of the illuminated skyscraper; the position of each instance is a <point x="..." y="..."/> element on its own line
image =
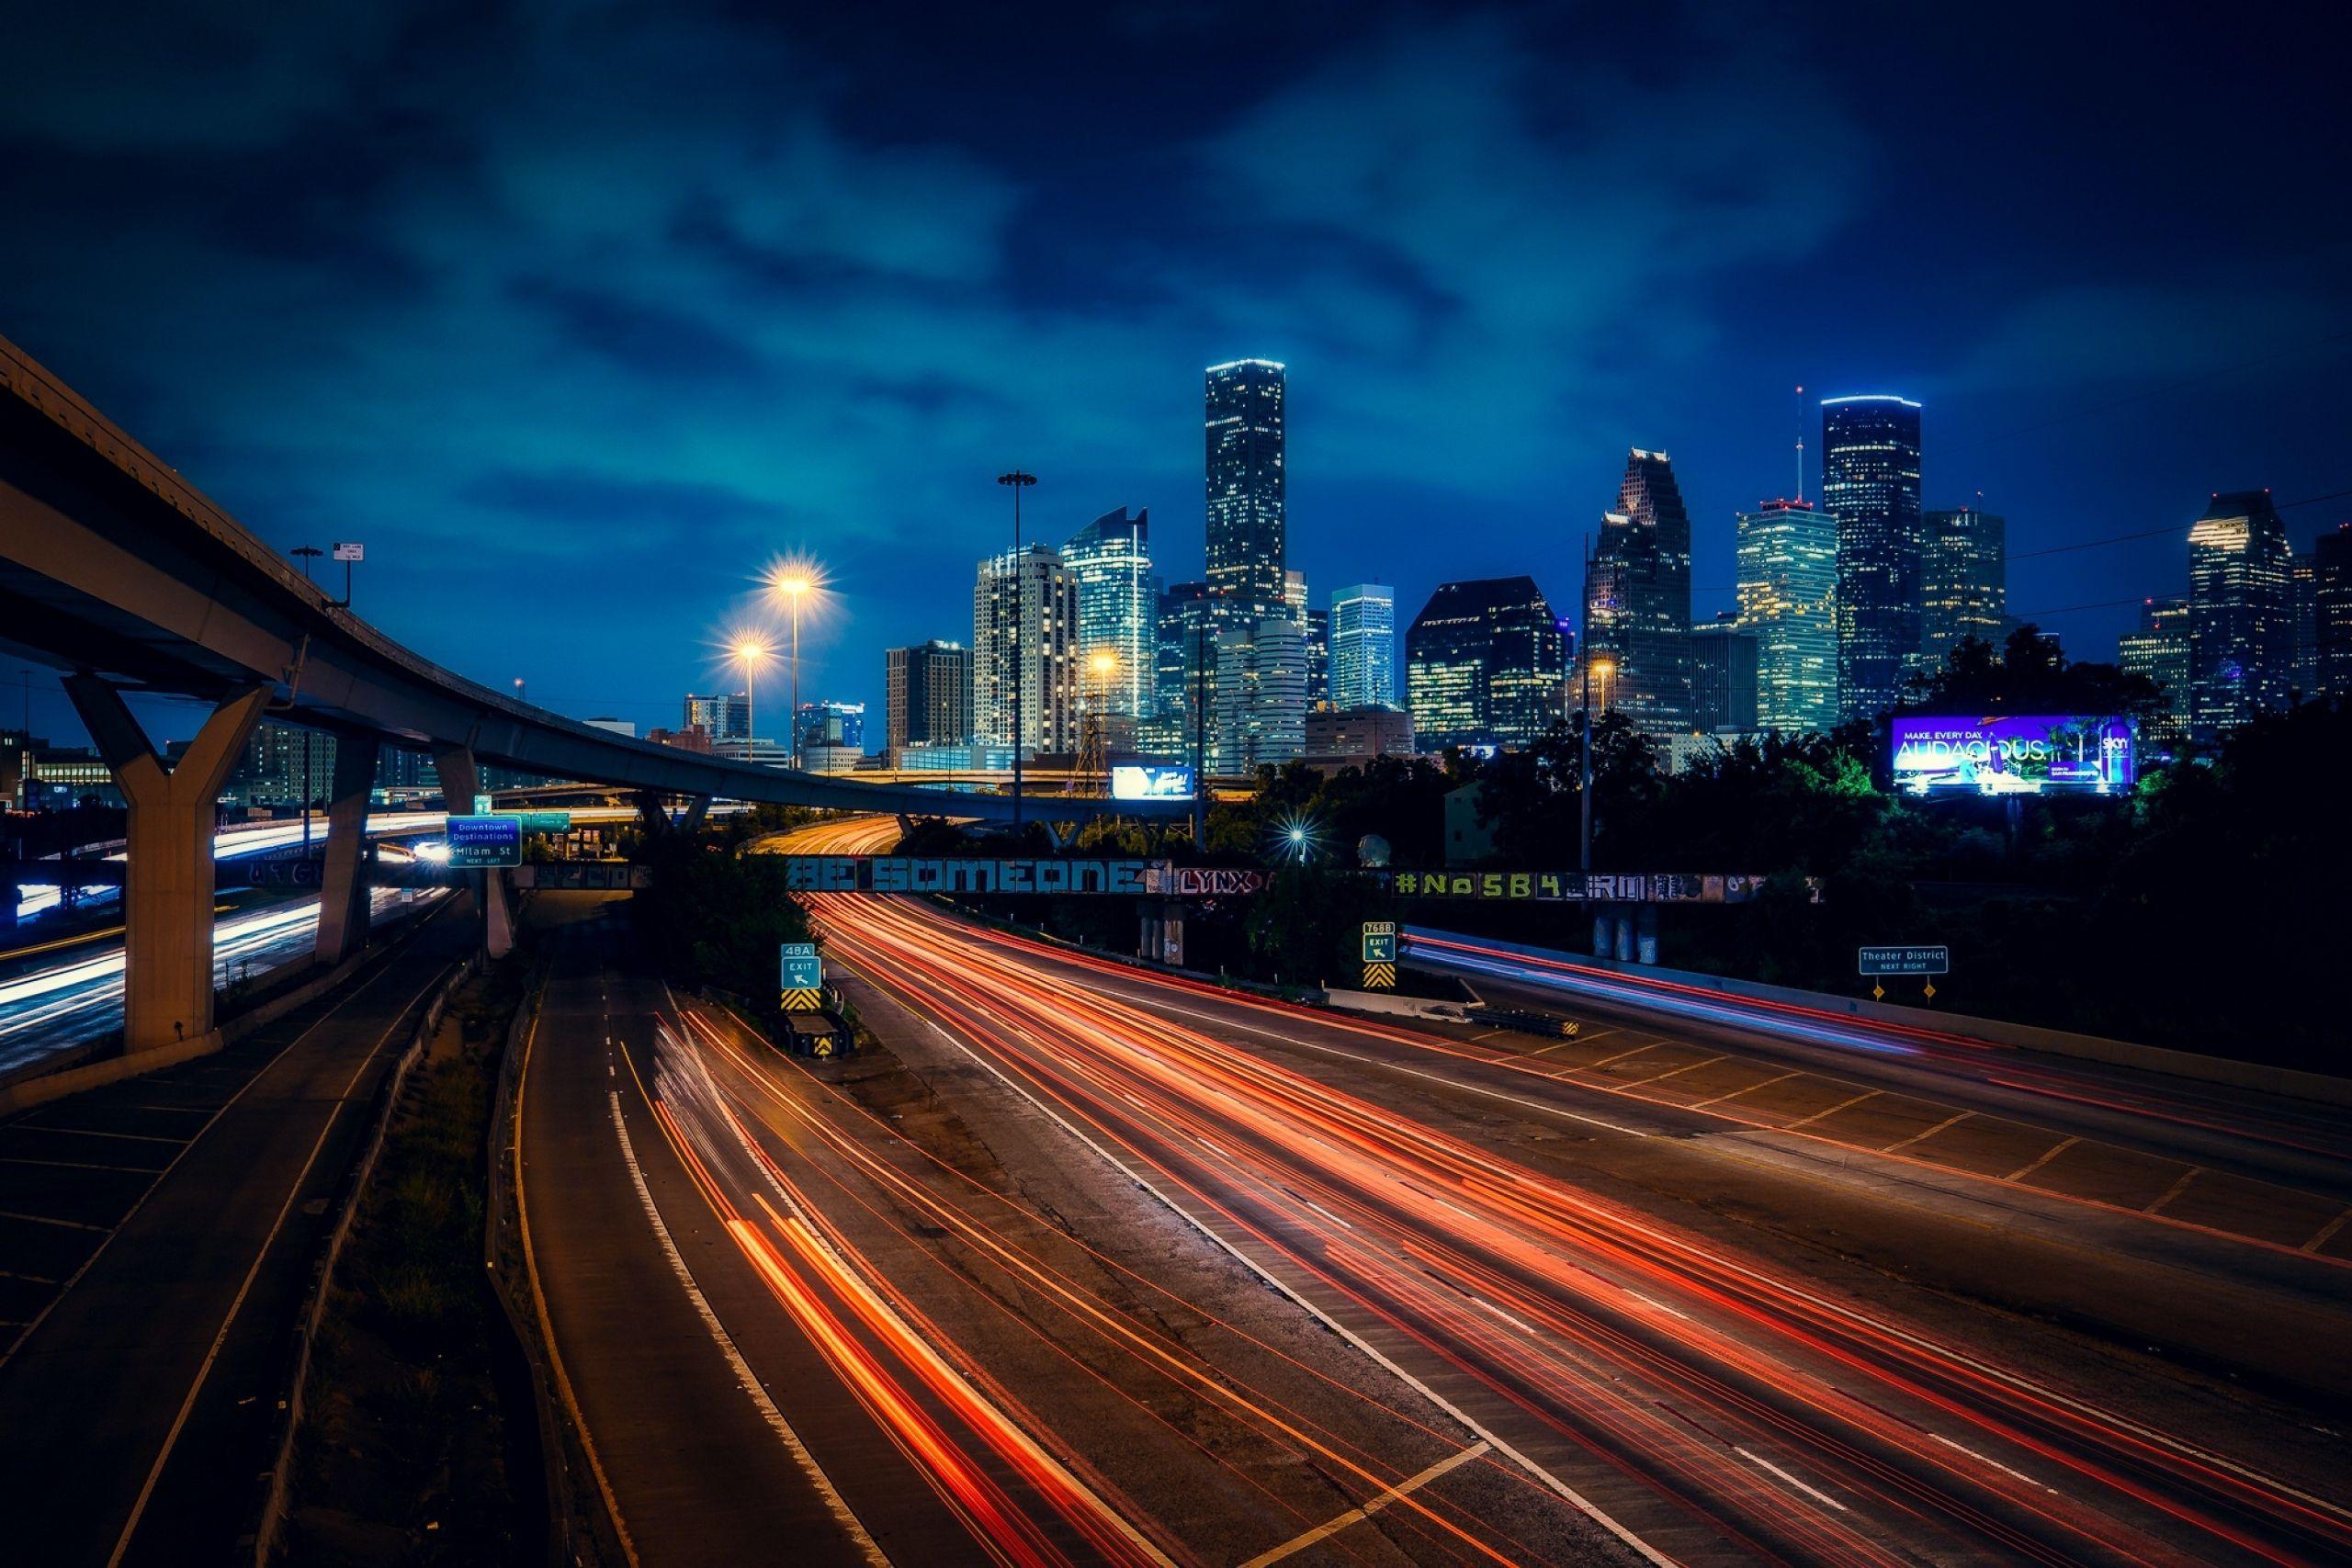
<point x="1035" y="585"/>
<point x="1637" y="598"/>
<point x="1870" y="482"/>
<point x="1184" y="672"/>
<point x="2159" y="650"/>
<point x="1260" y="702"/>
<point x="1363" y="646"/>
<point x="1788" y="603"/>
<point x="929" y="692"/>
<point x="1118" y="613"/>
<point x="1722" y="677"/>
<point x="724" y="717"/>
<point x="1247" y="538"/>
<point x="1485" y="664"/>
<point x="2332" y="613"/>
<point x="2241" y="613"/>
<point x="1963" y="581"/>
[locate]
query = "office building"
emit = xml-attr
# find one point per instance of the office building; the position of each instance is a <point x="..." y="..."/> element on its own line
<point x="2159" y="650"/>
<point x="1118" y="615"/>
<point x="16" y="748"/>
<point x="2332" y="613"/>
<point x="1722" y="677"/>
<point x="2241" y="613"/>
<point x="1363" y="646"/>
<point x="284" y="765"/>
<point x="1184" y="679"/>
<point x="724" y="717"/>
<point x="1963" y="580"/>
<point x="2302" y="583"/>
<point x="1260" y="699"/>
<point x="1358" y="733"/>
<point x="1870" y="482"/>
<point x="1637" y="599"/>
<point x="1788" y="602"/>
<point x="831" y="723"/>
<point x="1247" y="537"/>
<point x="928" y="690"/>
<point x="1486" y="662"/>
<point x="1319" y="659"/>
<point x="954" y="757"/>
<point x="1029" y="596"/>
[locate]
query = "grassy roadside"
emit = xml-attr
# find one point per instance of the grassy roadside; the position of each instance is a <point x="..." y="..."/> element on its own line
<point x="418" y="1442"/>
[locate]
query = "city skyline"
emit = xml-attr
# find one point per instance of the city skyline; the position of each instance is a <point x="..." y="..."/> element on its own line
<point x="824" y="319"/>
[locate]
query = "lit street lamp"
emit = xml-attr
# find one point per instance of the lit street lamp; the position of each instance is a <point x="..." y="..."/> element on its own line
<point x="750" y="653"/>
<point x="795" y="583"/>
<point x="1584" y="795"/>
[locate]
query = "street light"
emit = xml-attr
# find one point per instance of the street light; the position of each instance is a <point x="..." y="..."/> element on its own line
<point x="1019" y="481"/>
<point x="796" y="582"/>
<point x="1607" y="668"/>
<point x="750" y="653"/>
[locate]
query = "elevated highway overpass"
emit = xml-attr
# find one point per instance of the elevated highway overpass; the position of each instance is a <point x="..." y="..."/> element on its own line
<point x="116" y="571"/>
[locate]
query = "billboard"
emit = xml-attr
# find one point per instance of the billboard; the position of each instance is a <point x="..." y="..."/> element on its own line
<point x="1151" y="781"/>
<point x="2024" y="754"/>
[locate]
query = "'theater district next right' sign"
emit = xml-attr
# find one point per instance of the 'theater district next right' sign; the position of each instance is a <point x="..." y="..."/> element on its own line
<point x="2019" y="754"/>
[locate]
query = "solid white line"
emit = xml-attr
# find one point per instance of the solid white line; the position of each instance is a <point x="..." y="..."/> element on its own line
<point x="1814" y="1493"/>
<point x="1575" y="1498"/>
<point x="1334" y="1525"/>
<point x="1520" y="1324"/>
<point x="1659" y="1306"/>
<point x="744" y="1377"/>
<point x="237" y="1302"/>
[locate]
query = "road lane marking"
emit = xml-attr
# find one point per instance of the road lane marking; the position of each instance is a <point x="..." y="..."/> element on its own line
<point x="1922" y="1137"/>
<point x="1841" y="1105"/>
<point x="46" y="1220"/>
<point x="2326" y="1231"/>
<point x="1619" y="1057"/>
<point x="1576" y="1499"/>
<point x="1334" y="1525"/>
<point x="237" y="1302"/>
<point x="78" y="1165"/>
<point x="807" y="1462"/>
<point x="2052" y="1151"/>
<point x="1579" y="1038"/>
<point x="1812" y="1492"/>
<point x="2176" y="1190"/>
<point x="1765" y="1083"/>
<point x="1675" y="1072"/>
<point x="1997" y="1464"/>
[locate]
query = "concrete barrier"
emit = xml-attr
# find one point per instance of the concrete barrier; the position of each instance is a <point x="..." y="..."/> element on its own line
<point x="1399" y="1006"/>
<point x="2254" y="1076"/>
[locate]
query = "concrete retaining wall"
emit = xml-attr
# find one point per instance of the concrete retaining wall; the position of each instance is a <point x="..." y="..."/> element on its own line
<point x="2286" y="1081"/>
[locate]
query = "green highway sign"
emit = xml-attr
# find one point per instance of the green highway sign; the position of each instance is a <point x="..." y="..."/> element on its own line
<point x="1914" y="959"/>
<point x="485" y="840"/>
<point x="803" y="970"/>
<point x="483" y="805"/>
<point x="1380" y="941"/>
<point x="547" y="821"/>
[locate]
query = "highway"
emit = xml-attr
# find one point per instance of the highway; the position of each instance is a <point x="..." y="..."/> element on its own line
<point x="1627" y="1304"/>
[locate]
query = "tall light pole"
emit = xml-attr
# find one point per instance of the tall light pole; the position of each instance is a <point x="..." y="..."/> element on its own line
<point x="306" y="554"/>
<point x="1019" y="481"/>
<point x="795" y="585"/>
<point x="1584" y="795"/>
<point x="751" y="653"/>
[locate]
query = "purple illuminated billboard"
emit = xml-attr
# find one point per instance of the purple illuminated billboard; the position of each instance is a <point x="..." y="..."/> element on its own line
<point x="2025" y="754"/>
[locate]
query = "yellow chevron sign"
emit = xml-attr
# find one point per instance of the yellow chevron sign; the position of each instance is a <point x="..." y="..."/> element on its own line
<point x="807" y="999"/>
<point x="1380" y="977"/>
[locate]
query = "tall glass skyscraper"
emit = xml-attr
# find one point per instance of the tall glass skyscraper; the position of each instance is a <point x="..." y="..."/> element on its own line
<point x="2332" y="612"/>
<point x="1260" y="694"/>
<point x="1247" y="541"/>
<point x="2241" y="613"/>
<point x="1637" y="598"/>
<point x="1788" y="603"/>
<point x="1363" y="646"/>
<point x="1185" y="671"/>
<point x="1870" y="482"/>
<point x="1033" y="590"/>
<point x="2160" y="651"/>
<point x="1963" y="580"/>
<point x="929" y="688"/>
<point x="1118" y="613"/>
<point x="1486" y="663"/>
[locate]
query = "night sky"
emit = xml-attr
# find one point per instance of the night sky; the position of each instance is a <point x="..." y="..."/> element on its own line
<point x="577" y="315"/>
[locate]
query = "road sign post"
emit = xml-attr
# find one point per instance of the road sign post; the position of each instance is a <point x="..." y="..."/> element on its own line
<point x="1380" y="955"/>
<point x="803" y="979"/>
<point x="1904" y="959"/>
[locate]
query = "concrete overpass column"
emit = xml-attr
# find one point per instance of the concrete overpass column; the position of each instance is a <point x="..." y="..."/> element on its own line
<point x="460" y="781"/>
<point x="652" y="813"/>
<point x="343" y="902"/>
<point x="697" y="810"/>
<point x="168" y="885"/>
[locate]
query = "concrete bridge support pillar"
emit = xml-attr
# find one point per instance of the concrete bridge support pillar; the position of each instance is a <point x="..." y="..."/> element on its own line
<point x="168" y="886"/>
<point x="460" y="781"/>
<point x="343" y="903"/>
<point x="697" y="811"/>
